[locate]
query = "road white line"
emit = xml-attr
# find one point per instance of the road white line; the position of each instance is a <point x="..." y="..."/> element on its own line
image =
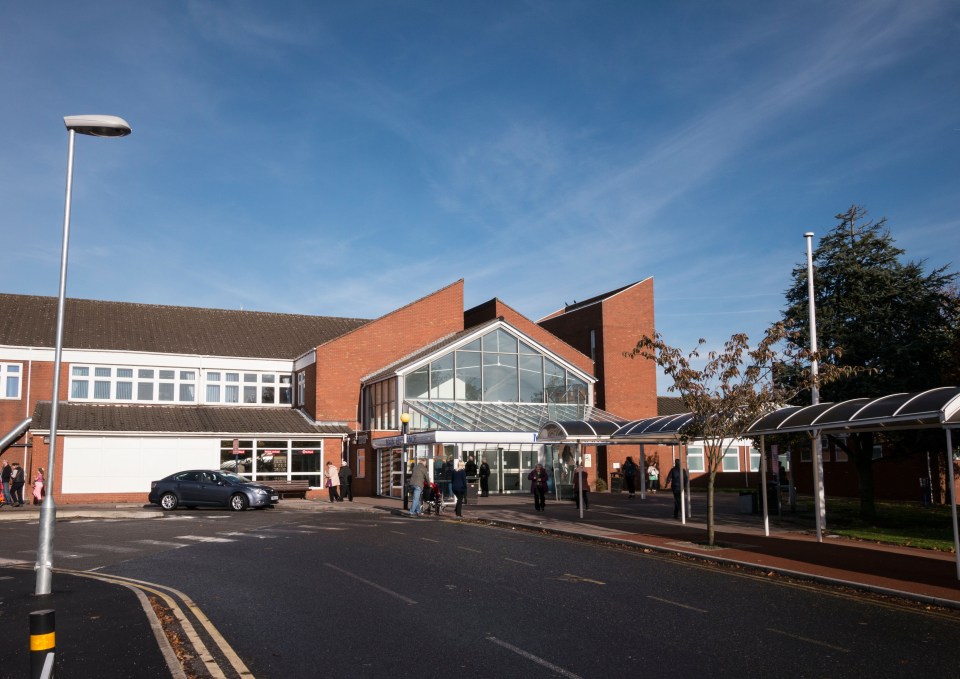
<point x="248" y="535"/>
<point x="202" y="538"/>
<point x="116" y="549"/>
<point x="372" y="584"/>
<point x="162" y="543"/>
<point x="522" y="563"/>
<point x="469" y="549"/>
<point x="676" y="603"/>
<point x="809" y="640"/>
<point x="429" y="539"/>
<point x="530" y="656"/>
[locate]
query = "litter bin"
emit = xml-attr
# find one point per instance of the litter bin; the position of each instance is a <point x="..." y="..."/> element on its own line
<point x="616" y="482"/>
<point x="473" y="490"/>
<point x="748" y="502"/>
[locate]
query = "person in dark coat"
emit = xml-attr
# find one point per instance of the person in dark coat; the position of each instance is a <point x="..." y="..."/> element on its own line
<point x="458" y="484"/>
<point x="538" y="486"/>
<point x="16" y="484"/>
<point x="676" y="480"/>
<point x="630" y="473"/>
<point x="346" y="482"/>
<point x="484" y="478"/>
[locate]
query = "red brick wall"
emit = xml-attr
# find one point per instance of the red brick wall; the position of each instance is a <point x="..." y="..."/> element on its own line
<point x="629" y="385"/>
<point x="626" y="387"/>
<point x="342" y="362"/>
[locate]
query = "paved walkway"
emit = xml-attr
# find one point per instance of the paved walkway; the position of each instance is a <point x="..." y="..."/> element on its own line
<point x="103" y="609"/>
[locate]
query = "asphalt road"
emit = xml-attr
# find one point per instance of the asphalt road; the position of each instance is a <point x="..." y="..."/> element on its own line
<point x="366" y="594"/>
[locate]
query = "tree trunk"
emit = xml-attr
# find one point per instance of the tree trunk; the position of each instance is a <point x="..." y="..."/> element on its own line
<point x="711" y="528"/>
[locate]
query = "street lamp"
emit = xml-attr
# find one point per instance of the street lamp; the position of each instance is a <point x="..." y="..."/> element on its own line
<point x="819" y="500"/>
<point x="94" y="126"/>
<point x="404" y="421"/>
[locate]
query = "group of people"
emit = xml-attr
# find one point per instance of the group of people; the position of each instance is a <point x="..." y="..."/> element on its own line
<point x="13" y="479"/>
<point x="338" y="482"/>
<point x="455" y="473"/>
<point x="538" y="486"/>
<point x="631" y="473"/>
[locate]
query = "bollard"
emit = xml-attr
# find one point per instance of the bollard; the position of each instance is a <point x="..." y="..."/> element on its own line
<point x="43" y="644"/>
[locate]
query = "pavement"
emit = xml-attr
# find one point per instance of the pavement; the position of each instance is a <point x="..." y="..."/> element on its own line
<point x="112" y="611"/>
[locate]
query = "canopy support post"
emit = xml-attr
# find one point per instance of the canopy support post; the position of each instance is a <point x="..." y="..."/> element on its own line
<point x="763" y="484"/>
<point x="953" y="501"/>
<point x="643" y="474"/>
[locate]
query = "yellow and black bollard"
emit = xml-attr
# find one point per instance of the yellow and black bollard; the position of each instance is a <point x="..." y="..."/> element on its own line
<point x="43" y="644"/>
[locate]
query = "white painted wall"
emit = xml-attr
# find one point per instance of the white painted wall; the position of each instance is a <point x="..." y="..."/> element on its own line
<point x="99" y="464"/>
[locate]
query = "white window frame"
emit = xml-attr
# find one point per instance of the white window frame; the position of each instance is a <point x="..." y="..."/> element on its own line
<point x="248" y="381"/>
<point x="695" y="453"/>
<point x="9" y="371"/>
<point x="175" y="379"/>
<point x="731" y="452"/>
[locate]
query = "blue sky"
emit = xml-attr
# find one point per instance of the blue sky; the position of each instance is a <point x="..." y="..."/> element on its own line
<point x="347" y="158"/>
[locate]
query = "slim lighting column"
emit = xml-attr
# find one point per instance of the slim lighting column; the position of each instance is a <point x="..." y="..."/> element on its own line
<point x="404" y="423"/>
<point x="818" y="495"/>
<point x="95" y="126"/>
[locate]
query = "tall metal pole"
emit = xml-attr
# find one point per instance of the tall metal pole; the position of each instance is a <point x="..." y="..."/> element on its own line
<point x="404" y="421"/>
<point x="95" y="126"/>
<point x="48" y="510"/>
<point x="819" y="500"/>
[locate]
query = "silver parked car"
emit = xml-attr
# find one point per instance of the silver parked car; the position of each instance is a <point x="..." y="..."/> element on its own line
<point x="211" y="488"/>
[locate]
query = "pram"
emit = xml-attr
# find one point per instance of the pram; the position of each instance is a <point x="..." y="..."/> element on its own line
<point x="432" y="499"/>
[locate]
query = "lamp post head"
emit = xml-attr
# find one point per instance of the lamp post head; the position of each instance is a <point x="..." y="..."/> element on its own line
<point x="98" y="126"/>
<point x="405" y="417"/>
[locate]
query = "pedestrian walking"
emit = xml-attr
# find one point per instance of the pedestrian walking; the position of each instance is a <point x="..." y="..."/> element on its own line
<point x="654" y="475"/>
<point x="630" y="473"/>
<point x="458" y="483"/>
<point x="346" y="482"/>
<point x="16" y="485"/>
<point x="538" y="486"/>
<point x="38" y="487"/>
<point x="418" y="477"/>
<point x="484" y="478"/>
<point x="677" y="479"/>
<point x="5" y="481"/>
<point x="332" y="482"/>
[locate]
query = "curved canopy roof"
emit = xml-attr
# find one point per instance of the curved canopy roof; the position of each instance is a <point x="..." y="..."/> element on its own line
<point x="662" y="429"/>
<point x="577" y="430"/>
<point x="933" y="408"/>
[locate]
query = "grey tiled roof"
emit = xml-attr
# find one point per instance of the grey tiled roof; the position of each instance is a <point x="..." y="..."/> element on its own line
<point x="179" y="419"/>
<point x="27" y="320"/>
<point x="671" y="405"/>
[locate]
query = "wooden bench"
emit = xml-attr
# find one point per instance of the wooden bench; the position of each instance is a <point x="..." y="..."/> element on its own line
<point x="295" y="488"/>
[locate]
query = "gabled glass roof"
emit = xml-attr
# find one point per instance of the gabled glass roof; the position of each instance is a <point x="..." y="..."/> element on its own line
<point x="472" y="416"/>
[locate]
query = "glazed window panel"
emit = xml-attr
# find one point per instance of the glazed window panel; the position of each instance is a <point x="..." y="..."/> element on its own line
<point x="11" y="373"/>
<point x="469" y="383"/>
<point x="695" y="459"/>
<point x="417" y="383"/>
<point x="500" y="380"/>
<point x="531" y="379"/>
<point x="101" y="390"/>
<point x="554" y="381"/>
<point x="576" y="389"/>
<point x="442" y="378"/>
<point x="731" y="459"/>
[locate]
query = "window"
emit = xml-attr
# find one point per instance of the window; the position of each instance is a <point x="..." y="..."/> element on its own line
<point x="301" y="388"/>
<point x="754" y="460"/>
<point x="695" y="459"/>
<point x="10" y="378"/>
<point x="496" y="367"/>
<point x="731" y="459"/>
<point x="148" y="385"/>
<point x="258" y="388"/>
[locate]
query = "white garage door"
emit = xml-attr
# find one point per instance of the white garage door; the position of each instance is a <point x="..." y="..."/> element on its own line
<point x="128" y="465"/>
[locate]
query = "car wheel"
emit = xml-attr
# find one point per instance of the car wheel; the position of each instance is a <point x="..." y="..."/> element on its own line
<point x="238" y="502"/>
<point x="169" y="501"/>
